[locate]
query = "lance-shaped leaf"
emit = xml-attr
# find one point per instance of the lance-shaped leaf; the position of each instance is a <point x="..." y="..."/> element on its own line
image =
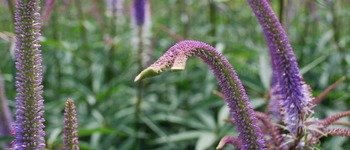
<point x="250" y="134"/>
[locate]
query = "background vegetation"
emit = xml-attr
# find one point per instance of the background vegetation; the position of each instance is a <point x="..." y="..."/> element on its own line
<point x="89" y="55"/>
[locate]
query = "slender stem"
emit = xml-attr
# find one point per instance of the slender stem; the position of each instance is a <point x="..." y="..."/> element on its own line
<point x="140" y="49"/>
<point x="281" y="10"/>
<point x="183" y="12"/>
<point x="212" y="17"/>
<point x="55" y="36"/>
<point x="320" y="97"/>
<point x="12" y="8"/>
<point x="110" y="32"/>
<point x="81" y="23"/>
<point x="5" y="113"/>
<point x="175" y="36"/>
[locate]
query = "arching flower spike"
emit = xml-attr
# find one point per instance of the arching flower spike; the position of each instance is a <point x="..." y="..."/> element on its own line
<point x="250" y="136"/>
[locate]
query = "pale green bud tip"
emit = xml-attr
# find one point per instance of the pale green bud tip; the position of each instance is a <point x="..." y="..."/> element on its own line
<point x="147" y="73"/>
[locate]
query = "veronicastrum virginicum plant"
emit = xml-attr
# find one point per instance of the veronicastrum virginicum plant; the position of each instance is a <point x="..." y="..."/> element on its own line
<point x="291" y="101"/>
<point x="70" y="133"/>
<point x="29" y="128"/>
<point x="290" y="97"/>
<point x="250" y="136"/>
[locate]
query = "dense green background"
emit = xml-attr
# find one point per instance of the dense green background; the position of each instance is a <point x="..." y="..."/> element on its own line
<point x="178" y="109"/>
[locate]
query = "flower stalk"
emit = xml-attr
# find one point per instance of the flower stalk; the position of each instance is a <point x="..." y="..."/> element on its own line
<point x="250" y="136"/>
<point x="141" y="26"/>
<point x="29" y="126"/>
<point x="296" y="100"/>
<point x="70" y="133"/>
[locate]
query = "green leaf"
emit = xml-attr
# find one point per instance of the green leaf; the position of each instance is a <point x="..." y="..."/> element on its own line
<point x="312" y="64"/>
<point x="223" y="114"/>
<point x="265" y="71"/>
<point x="87" y="132"/>
<point x="186" y="135"/>
<point x="206" y="139"/>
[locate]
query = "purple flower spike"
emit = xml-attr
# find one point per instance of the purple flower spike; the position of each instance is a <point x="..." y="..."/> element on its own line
<point x="296" y="100"/>
<point x="339" y="132"/>
<point x="70" y="134"/>
<point x="29" y="126"/>
<point x="250" y="135"/>
<point x="139" y="10"/>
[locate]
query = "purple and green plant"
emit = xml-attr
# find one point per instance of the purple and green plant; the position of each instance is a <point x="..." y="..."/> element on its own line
<point x="295" y="97"/>
<point x="250" y="136"/>
<point x="70" y="133"/>
<point x="141" y="29"/>
<point x="290" y="96"/>
<point x="28" y="128"/>
<point x="291" y="100"/>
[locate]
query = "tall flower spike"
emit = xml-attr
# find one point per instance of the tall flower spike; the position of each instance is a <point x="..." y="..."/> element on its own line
<point x="296" y="101"/>
<point x="141" y="26"/>
<point x="250" y="136"/>
<point x="139" y="10"/>
<point x="29" y="126"/>
<point x="70" y="134"/>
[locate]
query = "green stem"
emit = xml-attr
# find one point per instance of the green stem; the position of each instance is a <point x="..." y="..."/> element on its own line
<point x="212" y="17"/>
<point x="140" y="51"/>
<point x="281" y="11"/>
<point x="81" y="24"/>
<point x="5" y="113"/>
<point x="11" y="7"/>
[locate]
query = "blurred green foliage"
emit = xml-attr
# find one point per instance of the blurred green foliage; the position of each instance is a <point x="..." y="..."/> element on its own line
<point x="89" y="56"/>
